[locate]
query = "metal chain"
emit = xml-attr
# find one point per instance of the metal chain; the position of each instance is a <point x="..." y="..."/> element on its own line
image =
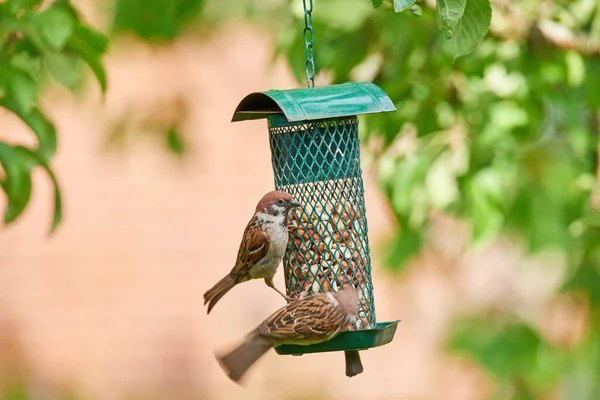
<point x="309" y="39"/>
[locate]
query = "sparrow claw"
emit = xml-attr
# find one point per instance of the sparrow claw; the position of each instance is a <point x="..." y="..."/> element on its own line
<point x="269" y="282"/>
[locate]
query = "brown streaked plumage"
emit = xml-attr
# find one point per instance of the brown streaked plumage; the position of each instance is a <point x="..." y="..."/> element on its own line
<point x="309" y="320"/>
<point x="262" y="247"/>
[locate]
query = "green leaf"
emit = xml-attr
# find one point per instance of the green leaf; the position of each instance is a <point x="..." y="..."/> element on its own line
<point x="175" y="142"/>
<point x="94" y="40"/>
<point x="402" y="5"/>
<point x="67" y="69"/>
<point x="35" y="159"/>
<point x="575" y="68"/>
<point x="5" y="28"/>
<point x="487" y="191"/>
<point x="449" y="12"/>
<point x="22" y="88"/>
<point x="410" y="173"/>
<point x="17" y="183"/>
<point x="416" y="10"/>
<point x="585" y="277"/>
<point x="376" y="3"/>
<point x="351" y="47"/>
<point x="510" y="351"/>
<point x="292" y="46"/>
<point x="472" y="27"/>
<point x="40" y="125"/>
<point x="90" y="45"/>
<point x="57" y="209"/>
<point x="45" y="132"/>
<point x="55" y="25"/>
<point x="157" y="19"/>
<point x="28" y="63"/>
<point x="68" y="7"/>
<point x="592" y="80"/>
<point x="581" y="380"/>
<point x="440" y="182"/>
<point x="407" y="243"/>
<point x="14" y="6"/>
<point x="531" y="213"/>
<point x="330" y="16"/>
<point x="503" y="349"/>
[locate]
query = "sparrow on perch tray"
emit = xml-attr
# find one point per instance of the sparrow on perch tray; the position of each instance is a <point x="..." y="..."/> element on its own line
<point x="309" y="320"/>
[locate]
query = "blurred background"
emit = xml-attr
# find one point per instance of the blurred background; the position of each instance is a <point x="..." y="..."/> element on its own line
<point x="482" y="193"/>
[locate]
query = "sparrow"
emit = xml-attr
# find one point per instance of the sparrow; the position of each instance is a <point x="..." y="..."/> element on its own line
<point x="309" y="320"/>
<point x="262" y="248"/>
<point x="353" y="364"/>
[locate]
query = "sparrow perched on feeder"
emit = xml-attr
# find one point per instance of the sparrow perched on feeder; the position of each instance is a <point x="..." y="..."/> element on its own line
<point x="262" y="248"/>
<point x="309" y="320"/>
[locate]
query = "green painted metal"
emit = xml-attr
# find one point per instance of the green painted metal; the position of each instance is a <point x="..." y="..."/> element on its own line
<point x="323" y="150"/>
<point x="309" y="44"/>
<point x="334" y="101"/>
<point x="319" y="164"/>
<point x="315" y="154"/>
<point x="382" y="334"/>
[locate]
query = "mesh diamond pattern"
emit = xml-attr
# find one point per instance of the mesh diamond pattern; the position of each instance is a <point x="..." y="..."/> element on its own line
<point x="319" y="164"/>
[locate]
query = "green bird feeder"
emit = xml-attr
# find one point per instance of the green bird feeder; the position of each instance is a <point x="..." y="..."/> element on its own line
<point x="313" y="135"/>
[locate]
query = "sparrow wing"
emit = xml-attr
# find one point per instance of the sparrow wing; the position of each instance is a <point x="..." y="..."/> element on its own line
<point x="311" y="319"/>
<point x="254" y="246"/>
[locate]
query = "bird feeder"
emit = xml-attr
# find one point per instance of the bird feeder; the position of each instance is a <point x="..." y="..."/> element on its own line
<point x="313" y="135"/>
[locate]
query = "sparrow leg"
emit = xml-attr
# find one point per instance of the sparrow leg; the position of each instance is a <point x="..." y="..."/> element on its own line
<point x="269" y="282"/>
<point x="299" y="296"/>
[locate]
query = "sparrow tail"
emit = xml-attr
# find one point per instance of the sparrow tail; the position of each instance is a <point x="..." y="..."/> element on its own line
<point x="353" y="364"/>
<point x="219" y="290"/>
<point x="238" y="361"/>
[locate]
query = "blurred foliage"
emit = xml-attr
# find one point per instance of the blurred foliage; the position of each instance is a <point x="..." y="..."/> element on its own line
<point x="156" y="20"/>
<point x="513" y="352"/>
<point x="37" y="41"/>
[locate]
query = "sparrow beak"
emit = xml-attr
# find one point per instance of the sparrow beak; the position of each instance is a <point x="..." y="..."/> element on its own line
<point x="295" y="203"/>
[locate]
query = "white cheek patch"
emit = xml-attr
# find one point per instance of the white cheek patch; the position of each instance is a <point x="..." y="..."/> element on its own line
<point x="278" y="209"/>
<point x="268" y="218"/>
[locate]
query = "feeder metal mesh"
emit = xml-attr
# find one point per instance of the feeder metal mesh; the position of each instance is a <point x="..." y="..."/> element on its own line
<point x="318" y="162"/>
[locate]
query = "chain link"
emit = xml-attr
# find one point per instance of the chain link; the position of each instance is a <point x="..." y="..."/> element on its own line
<point x="309" y="40"/>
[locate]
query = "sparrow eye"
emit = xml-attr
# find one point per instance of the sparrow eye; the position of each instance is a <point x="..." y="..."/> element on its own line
<point x="280" y="201"/>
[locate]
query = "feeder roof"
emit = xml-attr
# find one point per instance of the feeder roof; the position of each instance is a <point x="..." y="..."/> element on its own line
<point x="334" y="101"/>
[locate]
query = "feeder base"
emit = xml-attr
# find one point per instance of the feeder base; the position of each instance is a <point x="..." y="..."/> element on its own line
<point x="382" y="334"/>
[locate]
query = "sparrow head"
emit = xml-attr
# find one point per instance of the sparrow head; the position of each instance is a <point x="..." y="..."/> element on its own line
<point x="347" y="299"/>
<point x="277" y="203"/>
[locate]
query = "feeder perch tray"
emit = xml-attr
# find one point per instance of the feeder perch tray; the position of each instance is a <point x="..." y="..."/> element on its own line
<point x="315" y="154"/>
<point x="349" y="340"/>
